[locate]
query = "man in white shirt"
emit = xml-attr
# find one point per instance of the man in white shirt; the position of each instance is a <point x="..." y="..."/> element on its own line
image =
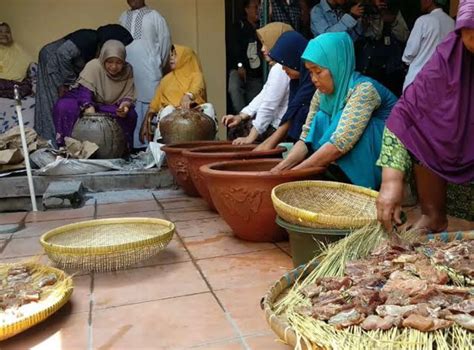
<point x="429" y="31"/>
<point x="148" y="54"/>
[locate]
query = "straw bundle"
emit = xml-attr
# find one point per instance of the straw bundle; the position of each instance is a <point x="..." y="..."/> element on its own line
<point x="52" y="299"/>
<point x="107" y="244"/>
<point x="308" y="333"/>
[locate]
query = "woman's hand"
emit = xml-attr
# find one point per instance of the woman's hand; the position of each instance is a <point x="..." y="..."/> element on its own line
<point x="242" y="141"/>
<point x="123" y="109"/>
<point x="264" y="146"/>
<point x="296" y="156"/>
<point x="273" y="141"/>
<point x="145" y="130"/>
<point x="89" y="109"/>
<point x="325" y="155"/>
<point x="186" y="101"/>
<point x="389" y="201"/>
<point x="231" y="121"/>
<point x="251" y="138"/>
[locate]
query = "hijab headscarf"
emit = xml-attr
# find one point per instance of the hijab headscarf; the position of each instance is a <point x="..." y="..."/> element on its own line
<point x="14" y="61"/>
<point x="86" y="41"/>
<point x="269" y="34"/>
<point x="107" y="88"/>
<point x="186" y="77"/>
<point x="113" y="32"/>
<point x="434" y="119"/>
<point x="287" y="52"/>
<point x="335" y="52"/>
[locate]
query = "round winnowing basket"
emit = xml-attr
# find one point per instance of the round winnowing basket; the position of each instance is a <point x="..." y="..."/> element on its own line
<point x="325" y="204"/>
<point x="107" y="244"/>
<point x="53" y="299"/>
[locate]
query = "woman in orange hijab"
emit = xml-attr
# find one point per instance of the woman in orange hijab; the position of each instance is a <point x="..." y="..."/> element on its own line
<point x="183" y="87"/>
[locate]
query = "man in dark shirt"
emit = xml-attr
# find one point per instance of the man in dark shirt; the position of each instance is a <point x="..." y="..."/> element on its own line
<point x="245" y="77"/>
<point x="286" y="11"/>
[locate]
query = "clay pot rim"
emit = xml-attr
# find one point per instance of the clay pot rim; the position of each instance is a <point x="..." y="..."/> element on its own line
<point x="209" y="171"/>
<point x="178" y="147"/>
<point x="197" y="152"/>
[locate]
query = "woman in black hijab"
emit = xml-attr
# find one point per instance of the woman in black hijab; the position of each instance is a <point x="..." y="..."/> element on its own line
<point x="59" y="65"/>
<point x="113" y="32"/>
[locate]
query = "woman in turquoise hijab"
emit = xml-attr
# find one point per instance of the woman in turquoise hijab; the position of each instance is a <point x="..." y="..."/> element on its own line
<point x="344" y="127"/>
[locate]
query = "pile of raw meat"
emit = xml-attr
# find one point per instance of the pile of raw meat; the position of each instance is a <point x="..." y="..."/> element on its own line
<point x="399" y="286"/>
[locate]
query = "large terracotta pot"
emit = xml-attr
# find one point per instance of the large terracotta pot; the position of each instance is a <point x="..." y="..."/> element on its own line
<point x="198" y="157"/>
<point x="185" y="125"/>
<point x="178" y="164"/>
<point x="241" y="191"/>
<point x="103" y="130"/>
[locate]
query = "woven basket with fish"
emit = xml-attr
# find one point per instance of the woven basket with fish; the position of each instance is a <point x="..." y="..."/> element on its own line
<point x="30" y="293"/>
<point x="364" y="292"/>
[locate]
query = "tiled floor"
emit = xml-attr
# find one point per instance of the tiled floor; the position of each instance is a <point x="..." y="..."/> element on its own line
<point x="202" y="292"/>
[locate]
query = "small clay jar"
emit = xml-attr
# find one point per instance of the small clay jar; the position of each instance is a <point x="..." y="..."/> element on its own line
<point x="241" y="192"/>
<point x="185" y="125"/>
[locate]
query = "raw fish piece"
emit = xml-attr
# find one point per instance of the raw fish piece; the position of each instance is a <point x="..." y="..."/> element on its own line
<point x="374" y="322"/>
<point x="346" y="319"/>
<point x="466" y="321"/>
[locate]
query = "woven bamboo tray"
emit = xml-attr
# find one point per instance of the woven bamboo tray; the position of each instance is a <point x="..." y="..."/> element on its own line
<point x="278" y="290"/>
<point x="107" y="244"/>
<point x="55" y="299"/>
<point x="325" y="204"/>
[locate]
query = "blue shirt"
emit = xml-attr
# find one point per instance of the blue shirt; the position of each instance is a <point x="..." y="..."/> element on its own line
<point x="325" y="19"/>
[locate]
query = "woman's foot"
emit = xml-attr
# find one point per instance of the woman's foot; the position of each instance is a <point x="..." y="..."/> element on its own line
<point x="426" y="224"/>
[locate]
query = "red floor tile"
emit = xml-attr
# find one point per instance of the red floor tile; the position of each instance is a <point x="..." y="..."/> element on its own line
<point x="203" y="227"/>
<point x="62" y="330"/>
<point x="41" y="259"/>
<point x="173" y="253"/>
<point x="243" y="306"/>
<point x="86" y="212"/>
<point x="80" y="299"/>
<point x="128" y="207"/>
<point x="265" y="342"/>
<point x="170" y="193"/>
<point x="36" y="229"/>
<point x="156" y="214"/>
<point x="225" y="345"/>
<point x="22" y="247"/>
<point x="145" y="284"/>
<point x="221" y="245"/>
<point x="166" y="324"/>
<point x="184" y="203"/>
<point x="12" y="218"/>
<point x="177" y="215"/>
<point x="285" y="246"/>
<point x="245" y="270"/>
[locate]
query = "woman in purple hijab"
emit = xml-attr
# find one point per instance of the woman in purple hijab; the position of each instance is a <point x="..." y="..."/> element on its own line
<point x="432" y="126"/>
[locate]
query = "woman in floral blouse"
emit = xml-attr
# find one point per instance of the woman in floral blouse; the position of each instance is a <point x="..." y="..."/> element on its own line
<point x="343" y="130"/>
